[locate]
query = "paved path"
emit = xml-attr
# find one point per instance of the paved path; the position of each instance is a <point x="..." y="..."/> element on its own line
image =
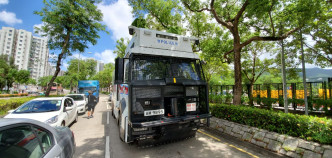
<point x="98" y="138"/>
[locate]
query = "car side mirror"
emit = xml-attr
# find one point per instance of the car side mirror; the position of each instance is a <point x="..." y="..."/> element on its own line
<point x="10" y="111"/>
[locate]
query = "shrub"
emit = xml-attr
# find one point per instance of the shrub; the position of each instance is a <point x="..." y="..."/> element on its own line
<point x="13" y="95"/>
<point x="306" y="127"/>
<point x="8" y="104"/>
<point x="13" y="103"/>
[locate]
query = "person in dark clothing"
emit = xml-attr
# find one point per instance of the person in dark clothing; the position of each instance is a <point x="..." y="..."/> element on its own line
<point x="92" y="101"/>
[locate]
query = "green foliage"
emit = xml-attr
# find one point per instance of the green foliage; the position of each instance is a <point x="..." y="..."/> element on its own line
<point x="139" y="22"/>
<point x="121" y="46"/>
<point x="306" y="127"/>
<point x="42" y="81"/>
<point x="9" y="104"/>
<point x="105" y="76"/>
<point x="72" y="25"/>
<point x="22" y="76"/>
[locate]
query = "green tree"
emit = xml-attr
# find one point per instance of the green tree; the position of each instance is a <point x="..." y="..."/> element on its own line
<point x="253" y="67"/>
<point x="105" y="76"/>
<point x="22" y="76"/>
<point x="246" y="21"/>
<point x="43" y="81"/>
<point x="90" y="67"/>
<point x="121" y="46"/>
<point x="139" y="22"/>
<point x="319" y="48"/>
<point x="71" y="25"/>
<point x="32" y="81"/>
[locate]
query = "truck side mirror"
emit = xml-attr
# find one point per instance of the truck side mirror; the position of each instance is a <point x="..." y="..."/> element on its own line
<point x="119" y="70"/>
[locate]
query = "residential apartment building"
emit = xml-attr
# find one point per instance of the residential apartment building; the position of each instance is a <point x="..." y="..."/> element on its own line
<point x="99" y="66"/>
<point x="29" y="52"/>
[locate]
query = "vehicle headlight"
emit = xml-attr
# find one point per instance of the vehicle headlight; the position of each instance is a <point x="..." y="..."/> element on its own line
<point x="52" y="120"/>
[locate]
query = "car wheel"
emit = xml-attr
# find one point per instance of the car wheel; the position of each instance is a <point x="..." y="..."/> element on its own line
<point x="63" y="124"/>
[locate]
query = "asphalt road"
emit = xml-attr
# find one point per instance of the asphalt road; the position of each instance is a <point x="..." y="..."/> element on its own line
<point x="98" y="138"/>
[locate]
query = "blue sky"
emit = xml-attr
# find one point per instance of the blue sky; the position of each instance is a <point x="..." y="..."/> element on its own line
<point x="117" y="17"/>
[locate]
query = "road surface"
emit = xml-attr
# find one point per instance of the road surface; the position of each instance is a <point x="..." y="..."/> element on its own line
<point x="98" y="138"/>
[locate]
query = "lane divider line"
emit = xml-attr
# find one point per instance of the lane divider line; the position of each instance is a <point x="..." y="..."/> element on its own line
<point x="108" y="118"/>
<point x="107" y="147"/>
<point x="230" y="145"/>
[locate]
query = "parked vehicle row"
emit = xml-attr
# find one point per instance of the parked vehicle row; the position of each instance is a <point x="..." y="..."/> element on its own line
<point x="39" y="128"/>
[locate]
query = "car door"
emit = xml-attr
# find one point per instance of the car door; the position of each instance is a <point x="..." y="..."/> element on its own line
<point x="71" y="113"/>
<point x="25" y="141"/>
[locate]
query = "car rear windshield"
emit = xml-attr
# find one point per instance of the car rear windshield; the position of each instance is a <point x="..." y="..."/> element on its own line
<point x="76" y="97"/>
<point x="36" y="106"/>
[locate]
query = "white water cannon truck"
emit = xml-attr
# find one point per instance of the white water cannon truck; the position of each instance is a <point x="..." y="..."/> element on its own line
<point x="159" y="92"/>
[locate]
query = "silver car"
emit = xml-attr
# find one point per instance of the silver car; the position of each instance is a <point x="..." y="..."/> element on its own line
<point x="26" y="138"/>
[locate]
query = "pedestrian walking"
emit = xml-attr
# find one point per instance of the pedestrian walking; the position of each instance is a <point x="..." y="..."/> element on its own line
<point x="92" y="101"/>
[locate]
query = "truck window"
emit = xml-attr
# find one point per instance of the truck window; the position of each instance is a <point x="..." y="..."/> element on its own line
<point x="149" y="69"/>
<point x="126" y="69"/>
<point x="154" y="68"/>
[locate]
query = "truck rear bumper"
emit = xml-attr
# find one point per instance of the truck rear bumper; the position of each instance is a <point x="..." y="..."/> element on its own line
<point x="168" y="121"/>
<point x="167" y="128"/>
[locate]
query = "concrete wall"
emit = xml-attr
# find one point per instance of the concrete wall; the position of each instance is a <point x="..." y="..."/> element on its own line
<point x="283" y="144"/>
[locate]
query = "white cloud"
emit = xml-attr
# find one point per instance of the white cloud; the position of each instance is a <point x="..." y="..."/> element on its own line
<point x="117" y="17"/>
<point x="107" y="56"/>
<point x="4" y="2"/>
<point x="38" y="26"/>
<point x="9" y="18"/>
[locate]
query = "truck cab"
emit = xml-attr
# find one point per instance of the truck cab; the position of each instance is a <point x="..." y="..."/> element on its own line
<point x="159" y="90"/>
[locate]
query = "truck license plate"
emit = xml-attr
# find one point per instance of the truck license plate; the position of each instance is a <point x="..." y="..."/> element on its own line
<point x="154" y="112"/>
<point x="191" y="106"/>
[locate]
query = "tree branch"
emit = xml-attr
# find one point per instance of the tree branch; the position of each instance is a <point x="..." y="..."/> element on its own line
<point x="225" y="55"/>
<point x="246" y="75"/>
<point x="317" y="53"/>
<point x="239" y="14"/>
<point x="217" y="18"/>
<point x="260" y="73"/>
<point x="166" y="27"/>
<point x="269" y="38"/>
<point x="272" y="25"/>
<point x="193" y="10"/>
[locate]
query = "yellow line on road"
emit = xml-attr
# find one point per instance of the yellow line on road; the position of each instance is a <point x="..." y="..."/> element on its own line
<point x="230" y="145"/>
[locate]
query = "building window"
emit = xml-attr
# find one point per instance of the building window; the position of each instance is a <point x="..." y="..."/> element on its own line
<point x="20" y="40"/>
<point x="8" y="42"/>
<point x="9" y="39"/>
<point x="10" y="34"/>
<point x="10" y="30"/>
<point x="18" y="52"/>
<point x="8" y="47"/>
<point x="20" y="44"/>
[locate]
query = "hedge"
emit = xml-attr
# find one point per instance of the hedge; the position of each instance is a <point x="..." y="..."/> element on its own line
<point x="307" y="127"/>
<point x="13" y="95"/>
<point x="13" y="103"/>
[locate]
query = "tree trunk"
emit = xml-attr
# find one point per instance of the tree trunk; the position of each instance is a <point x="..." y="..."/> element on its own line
<point x="58" y="64"/>
<point x="237" y="75"/>
<point x="251" y="90"/>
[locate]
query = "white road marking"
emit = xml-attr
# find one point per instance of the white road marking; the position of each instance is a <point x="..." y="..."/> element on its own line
<point x="107" y="147"/>
<point x="108" y="117"/>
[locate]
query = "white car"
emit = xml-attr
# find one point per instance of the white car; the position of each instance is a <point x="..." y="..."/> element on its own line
<point x="80" y="100"/>
<point x="57" y="111"/>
